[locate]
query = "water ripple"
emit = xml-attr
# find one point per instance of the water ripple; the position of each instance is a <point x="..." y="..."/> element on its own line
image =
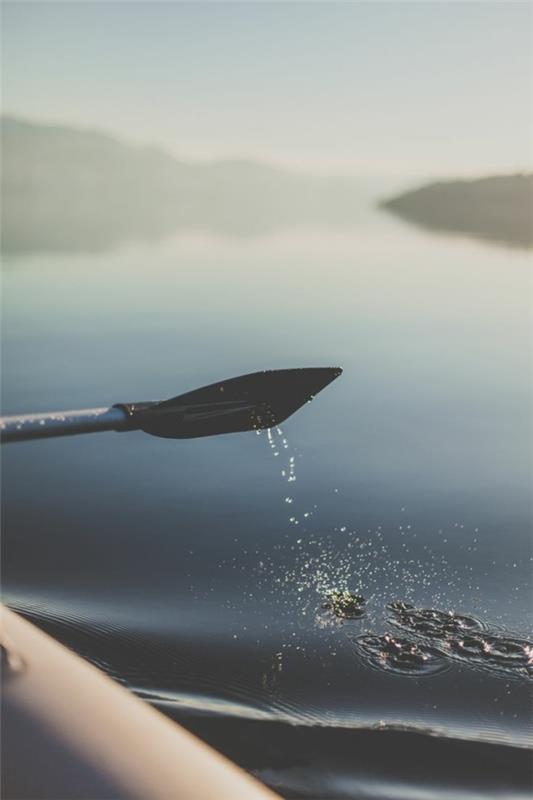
<point x="466" y="639"/>
<point x="403" y="656"/>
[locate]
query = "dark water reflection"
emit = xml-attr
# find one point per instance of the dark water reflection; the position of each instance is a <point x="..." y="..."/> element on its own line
<point x="195" y="572"/>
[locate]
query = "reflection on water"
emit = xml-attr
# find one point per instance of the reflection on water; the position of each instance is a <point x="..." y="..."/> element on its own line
<point x="195" y="572"/>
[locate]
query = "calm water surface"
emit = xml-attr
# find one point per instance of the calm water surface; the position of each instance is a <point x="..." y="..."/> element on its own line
<point x="195" y="572"/>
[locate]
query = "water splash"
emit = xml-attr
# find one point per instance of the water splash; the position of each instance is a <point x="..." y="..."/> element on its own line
<point x="330" y="578"/>
<point x="345" y="604"/>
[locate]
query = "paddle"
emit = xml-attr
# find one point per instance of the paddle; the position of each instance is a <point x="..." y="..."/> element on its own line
<point x="250" y="402"/>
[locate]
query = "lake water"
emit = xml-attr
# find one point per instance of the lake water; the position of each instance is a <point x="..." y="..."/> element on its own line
<point x="195" y="572"/>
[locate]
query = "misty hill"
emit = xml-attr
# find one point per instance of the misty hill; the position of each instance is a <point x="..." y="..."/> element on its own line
<point x="68" y="189"/>
<point x="497" y="208"/>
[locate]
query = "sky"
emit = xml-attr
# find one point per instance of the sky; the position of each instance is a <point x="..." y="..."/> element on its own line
<point x="391" y="88"/>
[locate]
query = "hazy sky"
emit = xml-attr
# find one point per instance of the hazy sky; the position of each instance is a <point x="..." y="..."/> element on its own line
<point x="414" y="87"/>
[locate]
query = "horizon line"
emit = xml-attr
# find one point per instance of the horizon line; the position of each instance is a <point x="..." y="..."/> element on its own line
<point x="337" y="169"/>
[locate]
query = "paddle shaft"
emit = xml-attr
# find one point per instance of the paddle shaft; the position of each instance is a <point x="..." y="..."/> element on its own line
<point x="246" y="403"/>
<point x="25" y="427"/>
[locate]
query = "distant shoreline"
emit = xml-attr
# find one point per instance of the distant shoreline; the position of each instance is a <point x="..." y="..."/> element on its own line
<point x="498" y="208"/>
<point x="66" y="189"/>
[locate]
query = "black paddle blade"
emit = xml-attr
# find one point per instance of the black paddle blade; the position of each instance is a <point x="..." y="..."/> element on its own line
<point x="251" y="402"/>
